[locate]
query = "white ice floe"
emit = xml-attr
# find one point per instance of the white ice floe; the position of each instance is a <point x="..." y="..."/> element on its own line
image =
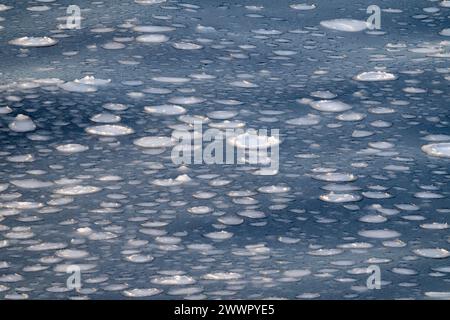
<point x="71" y="148"/>
<point x="153" y="29"/>
<point x="340" y="197"/>
<point x="154" y="142"/>
<point x="303" y="6"/>
<point x="105" y="117"/>
<point x="445" y="32"/>
<point x="77" y="190"/>
<point x="335" y="177"/>
<point x="166" y="110"/>
<point x="330" y="106"/>
<point x="109" y="130"/>
<point x="379" y="234"/>
<point x="186" y="100"/>
<point x="308" y="120"/>
<point x="172" y="182"/>
<point x="435" y="253"/>
<point x="375" y="76"/>
<point x="152" y="38"/>
<point x="174" y="280"/>
<point x="346" y="25"/>
<point x="31" y="183"/>
<point x="172" y="80"/>
<point x="222" y="276"/>
<point x="253" y="141"/>
<point x="73" y="86"/>
<point x="441" y="150"/>
<point x="72" y="254"/>
<point x="141" y="293"/>
<point x="274" y="189"/>
<point x="186" y="46"/>
<point x="243" y="84"/>
<point x="35" y="42"/>
<point x="149" y="2"/>
<point x="22" y="123"/>
<point x="92" y="81"/>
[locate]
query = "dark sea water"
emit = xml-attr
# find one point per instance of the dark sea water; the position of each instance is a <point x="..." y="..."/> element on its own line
<point x="363" y="171"/>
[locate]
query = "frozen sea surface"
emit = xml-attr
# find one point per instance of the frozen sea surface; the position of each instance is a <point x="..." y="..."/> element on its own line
<point x="88" y="117"/>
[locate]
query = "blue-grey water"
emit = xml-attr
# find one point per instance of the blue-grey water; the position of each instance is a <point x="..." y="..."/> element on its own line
<point x="364" y="148"/>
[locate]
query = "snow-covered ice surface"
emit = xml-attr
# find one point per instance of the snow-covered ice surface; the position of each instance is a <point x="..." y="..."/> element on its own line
<point x="87" y="117"/>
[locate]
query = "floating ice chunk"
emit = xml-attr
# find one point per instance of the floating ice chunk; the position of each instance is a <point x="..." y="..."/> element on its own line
<point x="335" y="177"/>
<point x="445" y="3"/>
<point x="5" y="110"/>
<point x="379" y="234"/>
<point x="199" y="210"/>
<point x="303" y="6"/>
<point x="186" y="100"/>
<point x="346" y="25"/>
<point x="77" y="190"/>
<point x="154" y="142"/>
<point x="351" y="116"/>
<point x="285" y="53"/>
<point x="267" y="32"/>
<point x="222" y="276"/>
<point x="152" y="38"/>
<point x="436" y="253"/>
<point x="434" y="226"/>
<point x="109" y="130"/>
<point x="166" y="110"/>
<point x="31" y="183"/>
<point x="153" y="29"/>
<point x="34" y="42"/>
<point x="173" y="80"/>
<point x="148" y="2"/>
<point x="445" y="32"/>
<point x="172" y="182"/>
<point x="204" y="29"/>
<point x="308" y="120"/>
<point x="105" y="118"/>
<point x="437" y="137"/>
<point x="140" y="293"/>
<point x="340" y="197"/>
<point x="325" y="252"/>
<point x="72" y="254"/>
<point x="73" y="86"/>
<point x="330" y="106"/>
<point x="22" y="123"/>
<point x="373" y="218"/>
<point x="441" y="150"/>
<point x="414" y="90"/>
<point x="21" y="158"/>
<point x="4" y="7"/>
<point x="219" y="235"/>
<point x="439" y="294"/>
<point x="175" y="280"/>
<point x="253" y="141"/>
<point x="186" y="46"/>
<point x="243" y="84"/>
<point x="115" y="106"/>
<point x="323" y="94"/>
<point x="222" y="114"/>
<point x="274" y="189"/>
<point x="139" y="258"/>
<point x="112" y="45"/>
<point x="375" y="76"/>
<point x="92" y="81"/>
<point x="71" y="148"/>
<point x="44" y="246"/>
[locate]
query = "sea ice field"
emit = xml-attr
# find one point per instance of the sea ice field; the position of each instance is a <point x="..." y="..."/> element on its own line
<point x="95" y="94"/>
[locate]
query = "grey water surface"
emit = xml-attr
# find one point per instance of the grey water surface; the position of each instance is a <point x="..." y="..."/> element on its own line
<point x="364" y="150"/>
